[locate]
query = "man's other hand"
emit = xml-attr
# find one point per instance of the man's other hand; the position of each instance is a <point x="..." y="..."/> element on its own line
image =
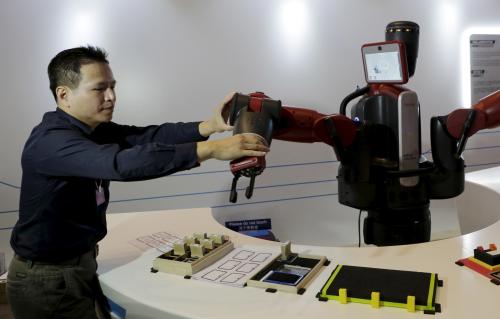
<point x="218" y="122"/>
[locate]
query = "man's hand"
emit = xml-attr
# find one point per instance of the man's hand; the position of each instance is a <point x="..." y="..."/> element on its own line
<point x="218" y="122"/>
<point x="232" y="147"/>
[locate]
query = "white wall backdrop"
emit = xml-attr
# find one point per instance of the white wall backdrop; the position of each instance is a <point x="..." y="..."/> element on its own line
<point x="174" y="60"/>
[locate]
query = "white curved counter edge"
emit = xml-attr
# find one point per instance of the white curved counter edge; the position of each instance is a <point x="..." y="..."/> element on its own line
<point x="126" y="278"/>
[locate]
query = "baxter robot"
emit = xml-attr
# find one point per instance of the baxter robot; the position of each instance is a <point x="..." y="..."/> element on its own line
<point x="381" y="168"/>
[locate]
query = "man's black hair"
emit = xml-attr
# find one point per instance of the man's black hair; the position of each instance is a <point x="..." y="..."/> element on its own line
<point x="64" y="68"/>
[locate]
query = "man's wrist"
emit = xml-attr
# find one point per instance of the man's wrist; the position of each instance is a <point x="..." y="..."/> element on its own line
<point x="204" y="150"/>
<point x="205" y="129"/>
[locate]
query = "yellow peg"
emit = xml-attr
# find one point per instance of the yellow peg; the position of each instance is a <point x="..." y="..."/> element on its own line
<point x="375" y="299"/>
<point x="410" y="303"/>
<point x="343" y="295"/>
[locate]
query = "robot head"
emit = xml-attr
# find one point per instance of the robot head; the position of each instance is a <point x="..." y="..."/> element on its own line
<point x="408" y="33"/>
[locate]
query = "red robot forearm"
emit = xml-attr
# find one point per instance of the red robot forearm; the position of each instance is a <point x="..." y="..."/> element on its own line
<point x="308" y="126"/>
<point x="486" y="116"/>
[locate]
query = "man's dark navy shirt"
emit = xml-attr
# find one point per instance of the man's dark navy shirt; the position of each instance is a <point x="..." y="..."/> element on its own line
<point x="64" y="161"/>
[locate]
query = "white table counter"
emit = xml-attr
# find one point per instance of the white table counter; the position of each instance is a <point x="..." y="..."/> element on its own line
<point x="126" y="277"/>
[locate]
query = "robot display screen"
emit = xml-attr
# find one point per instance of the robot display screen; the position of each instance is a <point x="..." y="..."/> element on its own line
<point x="383" y="63"/>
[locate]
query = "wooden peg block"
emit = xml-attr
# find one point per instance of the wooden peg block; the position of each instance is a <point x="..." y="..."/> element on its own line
<point x="286" y="250"/>
<point x="189" y="240"/>
<point x="180" y="249"/>
<point x="207" y="243"/>
<point x="200" y="236"/>
<point x="217" y="239"/>
<point x="197" y="250"/>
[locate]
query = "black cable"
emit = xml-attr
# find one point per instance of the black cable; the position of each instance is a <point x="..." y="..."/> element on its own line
<point x="352" y="96"/>
<point x="359" y="228"/>
<point x="465" y="133"/>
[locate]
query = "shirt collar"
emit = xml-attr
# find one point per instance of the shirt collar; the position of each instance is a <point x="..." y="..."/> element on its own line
<point x="82" y="126"/>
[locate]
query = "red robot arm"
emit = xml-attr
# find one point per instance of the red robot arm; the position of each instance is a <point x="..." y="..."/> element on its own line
<point x="308" y="126"/>
<point x="256" y="113"/>
<point x="485" y="115"/>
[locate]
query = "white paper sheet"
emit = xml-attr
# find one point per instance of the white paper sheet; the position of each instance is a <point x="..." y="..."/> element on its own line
<point x="237" y="267"/>
<point x="162" y="241"/>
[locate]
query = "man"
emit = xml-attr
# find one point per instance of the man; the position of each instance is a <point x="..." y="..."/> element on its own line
<point x="68" y="161"/>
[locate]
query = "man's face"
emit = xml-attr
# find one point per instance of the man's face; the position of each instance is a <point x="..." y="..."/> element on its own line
<point x="93" y="101"/>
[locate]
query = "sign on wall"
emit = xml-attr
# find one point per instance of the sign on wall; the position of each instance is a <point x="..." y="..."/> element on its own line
<point x="485" y="65"/>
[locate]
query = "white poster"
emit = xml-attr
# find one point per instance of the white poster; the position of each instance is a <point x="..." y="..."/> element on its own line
<point x="485" y="65"/>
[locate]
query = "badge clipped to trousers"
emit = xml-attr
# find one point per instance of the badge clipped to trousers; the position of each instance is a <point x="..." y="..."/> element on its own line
<point x="99" y="193"/>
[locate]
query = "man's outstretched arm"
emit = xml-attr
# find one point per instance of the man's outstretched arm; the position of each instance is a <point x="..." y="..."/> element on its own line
<point x="232" y="147"/>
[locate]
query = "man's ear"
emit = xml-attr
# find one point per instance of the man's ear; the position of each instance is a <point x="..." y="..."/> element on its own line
<point x="62" y="94"/>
